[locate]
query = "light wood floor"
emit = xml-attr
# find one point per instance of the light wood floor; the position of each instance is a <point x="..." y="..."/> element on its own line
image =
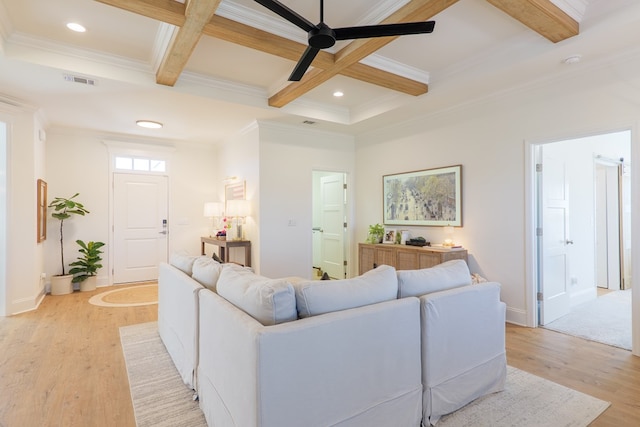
<point x="62" y="365"/>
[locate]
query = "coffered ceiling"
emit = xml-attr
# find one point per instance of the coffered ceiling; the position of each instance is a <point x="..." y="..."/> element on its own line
<point x="207" y="68"/>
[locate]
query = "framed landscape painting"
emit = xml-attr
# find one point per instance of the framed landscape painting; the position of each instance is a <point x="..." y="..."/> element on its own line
<point x="427" y="197"/>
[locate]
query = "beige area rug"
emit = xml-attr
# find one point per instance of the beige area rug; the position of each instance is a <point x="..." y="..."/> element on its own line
<point x="130" y="296"/>
<point x="161" y="399"/>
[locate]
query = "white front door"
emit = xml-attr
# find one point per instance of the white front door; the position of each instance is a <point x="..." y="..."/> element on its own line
<point x="553" y="256"/>
<point x="140" y="226"/>
<point x="332" y="197"/>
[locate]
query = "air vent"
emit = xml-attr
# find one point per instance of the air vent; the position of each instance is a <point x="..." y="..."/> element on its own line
<point x="309" y="122"/>
<point x="81" y="80"/>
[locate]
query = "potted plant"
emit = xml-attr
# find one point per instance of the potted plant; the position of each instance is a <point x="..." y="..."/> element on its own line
<point x="375" y="233"/>
<point x="87" y="265"/>
<point x="64" y="209"/>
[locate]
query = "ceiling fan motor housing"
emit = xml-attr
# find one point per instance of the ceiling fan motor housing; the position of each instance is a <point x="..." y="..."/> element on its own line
<point x="322" y="37"/>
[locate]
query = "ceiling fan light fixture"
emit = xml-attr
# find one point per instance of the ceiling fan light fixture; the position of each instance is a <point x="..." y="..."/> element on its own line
<point x="149" y="124"/>
<point x="78" y="28"/>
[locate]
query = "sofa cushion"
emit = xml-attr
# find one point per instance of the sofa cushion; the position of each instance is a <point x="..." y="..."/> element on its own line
<point x="450" y="274"/>
<point x="206" y="271"/>
<point x="315" y="297"/>
<point x="269" y="301"/>
<point x="182" y="261"/>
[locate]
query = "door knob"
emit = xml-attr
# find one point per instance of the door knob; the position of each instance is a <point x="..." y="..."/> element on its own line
<point x="569" y="242"/>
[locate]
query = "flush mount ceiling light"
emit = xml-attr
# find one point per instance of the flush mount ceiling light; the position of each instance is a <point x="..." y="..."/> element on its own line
<point x="73" y="26"/>
<point x="149" y="124"/>
<point x="338" y="94"/>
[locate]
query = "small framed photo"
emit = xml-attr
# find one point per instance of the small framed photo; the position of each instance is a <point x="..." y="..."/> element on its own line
<point x="389" y="235"/>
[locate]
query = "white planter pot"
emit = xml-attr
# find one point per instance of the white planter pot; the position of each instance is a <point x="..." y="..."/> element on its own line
<point x="89" y="284"/>
<point x="61" y="285"/>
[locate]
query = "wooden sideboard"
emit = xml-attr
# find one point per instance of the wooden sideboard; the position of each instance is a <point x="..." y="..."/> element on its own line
<point x="404" y="257"/>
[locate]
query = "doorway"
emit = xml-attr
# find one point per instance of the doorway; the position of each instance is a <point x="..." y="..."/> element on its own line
<point x="329" y="226"/>
<point x="140" y="226"/>
<point x="572" y="251"/>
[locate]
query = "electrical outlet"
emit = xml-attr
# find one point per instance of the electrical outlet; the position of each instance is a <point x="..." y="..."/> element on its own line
<point x="43" y="276"/>
<point x="292" y="223"/>
<point x="574" y="280"/>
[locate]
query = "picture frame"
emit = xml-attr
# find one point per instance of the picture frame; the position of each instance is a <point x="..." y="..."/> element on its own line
<point x="389" y="236"/>
<point x="429" y="197"/>
<point x="234" y="191"/>
<point x="41" y="226"/>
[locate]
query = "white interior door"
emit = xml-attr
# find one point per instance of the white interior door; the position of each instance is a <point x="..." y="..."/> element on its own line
<point x="553" y="256"/>
<point x="140" y="226"/>
<point x="332" y="196"/>
<point x="607" y="227"/>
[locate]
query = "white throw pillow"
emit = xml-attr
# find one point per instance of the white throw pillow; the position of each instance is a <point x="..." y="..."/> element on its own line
<point x="324" y="296"/>
<point x="450" y="274"/>
<point x="182" y="261"/>
<point x="269" y="301"/>
<point x="206" y="271"/>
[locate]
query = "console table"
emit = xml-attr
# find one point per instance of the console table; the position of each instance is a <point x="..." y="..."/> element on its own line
<point x="404" y="257"/>
<point x="225" y="245"/>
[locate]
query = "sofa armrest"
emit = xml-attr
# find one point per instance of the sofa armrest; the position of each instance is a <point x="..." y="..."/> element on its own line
<point x="357" y="367"/>
<point x="461" y="326"/>
<point x="463" y="347"/>
<point x="178" y="319"/>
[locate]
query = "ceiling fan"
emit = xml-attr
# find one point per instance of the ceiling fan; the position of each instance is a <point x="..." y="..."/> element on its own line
<point x="321" y="36"/>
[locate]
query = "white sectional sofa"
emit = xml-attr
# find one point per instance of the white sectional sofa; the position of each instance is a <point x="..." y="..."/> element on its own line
<point x="384" y="349"/>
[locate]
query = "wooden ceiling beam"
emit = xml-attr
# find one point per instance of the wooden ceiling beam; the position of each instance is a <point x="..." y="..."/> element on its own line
<point x="198" y="13"/>
<point x="169" y="11"/>
<point x="174" y="13"/>
<point x="542" y="16"/>
<point x="245" y="35"/>
<point x="415" y="10"/>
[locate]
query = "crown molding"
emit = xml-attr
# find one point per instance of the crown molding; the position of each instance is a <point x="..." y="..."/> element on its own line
<point x="574" y="8"/>
<point x="161" y="44"/>
<point x="385" y="64"/>
<point x="28" y="41"/>
<point x="261" y="20"/>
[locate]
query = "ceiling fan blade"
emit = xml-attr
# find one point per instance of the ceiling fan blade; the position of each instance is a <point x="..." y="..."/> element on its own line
<point x="303" y="64"/>
<point x="286" y="13"/>
<point x="384" y="30"/>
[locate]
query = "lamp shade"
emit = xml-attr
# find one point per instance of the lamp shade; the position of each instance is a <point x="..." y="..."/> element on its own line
<point x="212" y="209"/>
<point x="240" y="208"/>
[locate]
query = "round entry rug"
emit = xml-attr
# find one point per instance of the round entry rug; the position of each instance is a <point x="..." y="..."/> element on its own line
<point x="127" y="297"/>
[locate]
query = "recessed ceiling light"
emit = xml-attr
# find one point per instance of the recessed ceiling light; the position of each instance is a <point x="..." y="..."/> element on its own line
<point x="73" y="26"/>
<point x="573" y="59"/>
<point x="149" y="124"/>
<point x="338" y="94"/>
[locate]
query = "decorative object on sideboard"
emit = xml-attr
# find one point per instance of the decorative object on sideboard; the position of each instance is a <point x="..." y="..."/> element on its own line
<point x="238" y="210"/>
<point x="64" y="209"/>
<point x="389" y="236"/>
<point x="426" y="197"/>
<point x="214" y="211"/>
<point x="448" y="236"/>
<point x="376" y="232"/>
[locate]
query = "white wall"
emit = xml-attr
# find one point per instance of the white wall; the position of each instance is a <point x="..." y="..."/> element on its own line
<point x="24" y="256"/>
<point x="78" y="162"/>
<point x="288" y="157"/>
<point x="490" y="140"/>
<point x="3" y="217"/>
<point x="239" y="158"/>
